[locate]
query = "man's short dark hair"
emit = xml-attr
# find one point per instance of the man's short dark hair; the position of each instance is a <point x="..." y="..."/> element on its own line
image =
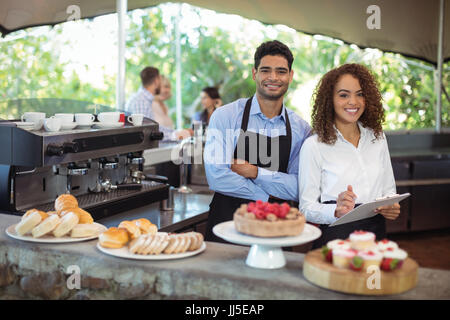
<point x="273" y="48"/>
<point x="148" y="75"/>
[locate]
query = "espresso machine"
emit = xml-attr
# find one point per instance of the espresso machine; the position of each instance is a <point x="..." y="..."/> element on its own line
<point x="102" y="168"/>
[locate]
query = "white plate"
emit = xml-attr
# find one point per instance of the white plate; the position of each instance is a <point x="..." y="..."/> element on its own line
<point x="68" y="126"/>
<point x="125" y="253"/>
<point x="227" y="231"/>
<point x="11" y="231"/>
<point x="110" y="125"/>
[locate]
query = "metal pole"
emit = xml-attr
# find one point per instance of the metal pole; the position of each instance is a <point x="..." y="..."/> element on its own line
<point x="121" y="7"/>
<point x="438" y="74"/>
<point x="178" y="70"/>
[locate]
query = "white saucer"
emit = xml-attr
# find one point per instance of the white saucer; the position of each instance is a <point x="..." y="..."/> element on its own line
<point x="25" y="125"/>
<point x="108" y="125"/>
<point x="85" y="126"/>
<point x="68" y="126"/>
<point x="265" y="253"/>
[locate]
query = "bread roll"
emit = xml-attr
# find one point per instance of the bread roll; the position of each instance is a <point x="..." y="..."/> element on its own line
<point x="85" y="230"/>
<point x="43" y="214"/>
<point x="83" y="215"/>
<point x="136" y="244"/>
<point x="68" y="222"/>
<point x="133" y="229"/>
<point x="28" y="222"/>
<point x="114" y="238"/>
<point x="145" y="226"/>
<point x="173" y="243"/>
<point x="46" y="226"/>
<point x="65" y="201"/>
<point x="162" y="245"/>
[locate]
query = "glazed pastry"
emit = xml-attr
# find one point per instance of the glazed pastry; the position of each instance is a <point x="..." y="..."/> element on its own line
<point x="46" y="226"/>
<point x="133" y="229"/>
<point x="114" y="238"/>
<point x="28" y="222"/>
<point x="44" y="215"/>
<point x="145" y="226"/>
<point x="68" y="222"/>
<point x="65" y="201"/>
<point x="84" y="230"/>
<point x="83" y="215"/>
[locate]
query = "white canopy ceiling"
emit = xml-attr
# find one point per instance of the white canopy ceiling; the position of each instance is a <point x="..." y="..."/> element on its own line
<point x="409" y="27"/>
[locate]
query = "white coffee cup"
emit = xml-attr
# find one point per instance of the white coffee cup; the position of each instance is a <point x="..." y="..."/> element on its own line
<point x="66" y="118"/>
<point x="136" y="119"/>
<point x="108" y="117"/>
<point x="84" y="119"/>
<point x="36" y="117"/>
<point x="52" y="124"/>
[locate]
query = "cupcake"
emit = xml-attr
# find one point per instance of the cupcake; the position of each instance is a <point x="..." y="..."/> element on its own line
<point x="362" y="240"/>
<point x="327" y="250"/>
<point x="393" y="259"/>
<point x="342" y="257"/>
<point x="371" y="257"/>
<point x="385" y="244"/>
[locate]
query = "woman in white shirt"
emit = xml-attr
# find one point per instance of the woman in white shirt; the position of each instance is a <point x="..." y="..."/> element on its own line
<point x="346" y="161"/>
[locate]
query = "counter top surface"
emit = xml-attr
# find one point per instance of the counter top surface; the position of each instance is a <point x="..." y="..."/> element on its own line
<point x="219" y="272"/>
<point x="188" y="209"/>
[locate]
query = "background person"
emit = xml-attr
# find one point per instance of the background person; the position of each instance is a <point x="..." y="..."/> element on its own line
<point x="210" y="100"/>
<point x="347" y="160"/>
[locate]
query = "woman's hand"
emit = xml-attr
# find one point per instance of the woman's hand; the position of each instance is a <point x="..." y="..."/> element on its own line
<point x="389" y="212"/>
<point x="345" y="202"/>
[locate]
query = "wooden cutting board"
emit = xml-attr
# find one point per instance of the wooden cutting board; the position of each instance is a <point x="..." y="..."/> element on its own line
<point x="326" y="275"/>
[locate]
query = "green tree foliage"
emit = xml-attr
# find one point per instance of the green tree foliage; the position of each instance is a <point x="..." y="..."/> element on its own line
<point x="30" y="68"/>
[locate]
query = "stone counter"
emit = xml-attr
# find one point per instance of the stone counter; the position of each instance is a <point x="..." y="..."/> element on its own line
<point x="43" y="271"/>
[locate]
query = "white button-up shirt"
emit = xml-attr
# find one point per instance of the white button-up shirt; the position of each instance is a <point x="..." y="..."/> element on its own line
<point x="326" y="170"/>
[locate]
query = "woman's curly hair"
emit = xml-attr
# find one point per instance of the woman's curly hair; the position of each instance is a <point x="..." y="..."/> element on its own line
<point x="323" y="110"/>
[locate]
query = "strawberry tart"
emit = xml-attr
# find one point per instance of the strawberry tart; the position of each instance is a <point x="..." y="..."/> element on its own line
<point x="264" y="219"/>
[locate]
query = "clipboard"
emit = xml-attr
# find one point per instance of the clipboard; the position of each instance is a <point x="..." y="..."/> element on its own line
<point x="366" y="210"/>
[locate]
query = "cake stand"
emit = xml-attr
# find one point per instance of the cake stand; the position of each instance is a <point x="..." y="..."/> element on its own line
<point x="265" y="253"/>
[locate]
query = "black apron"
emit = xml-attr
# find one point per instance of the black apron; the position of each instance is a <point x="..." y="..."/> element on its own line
<point x="222" y="207"/>
<point x="375" y="224"/>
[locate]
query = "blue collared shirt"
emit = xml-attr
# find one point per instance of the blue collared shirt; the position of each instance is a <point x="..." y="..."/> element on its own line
<point x="141" y="102"/>
<point x="222" y="135"/>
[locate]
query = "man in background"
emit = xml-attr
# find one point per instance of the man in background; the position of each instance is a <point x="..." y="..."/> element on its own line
<point x="141" y="101"/>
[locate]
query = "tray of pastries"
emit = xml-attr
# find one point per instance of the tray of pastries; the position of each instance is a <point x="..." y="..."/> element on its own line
<point x="140" y="240"/>
<point x="68" y="223"/>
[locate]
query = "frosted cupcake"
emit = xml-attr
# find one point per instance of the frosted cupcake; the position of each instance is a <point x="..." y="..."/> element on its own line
<point x="362" y="240"/>
<point x="327" y="250"/>
<point x="371" y="257"/>
<point x="342" y="257"/>
<point x="386" y="244"/>
<point x="393" y="259"/>
<point x="338" y="244"/>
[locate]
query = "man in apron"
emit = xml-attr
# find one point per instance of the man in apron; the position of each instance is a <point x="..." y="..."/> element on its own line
<point x="253" y="144"/>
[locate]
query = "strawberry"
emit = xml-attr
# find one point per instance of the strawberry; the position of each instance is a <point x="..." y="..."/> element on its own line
<point x="389" y="264"/>
<point x="327" y="254"/>
<point x="356" y="264"/>
<point x="251" y="206"/>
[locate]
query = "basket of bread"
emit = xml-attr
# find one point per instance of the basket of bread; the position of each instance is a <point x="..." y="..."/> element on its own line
<point x="140" y="239"/>
<point x="67" y="223"/>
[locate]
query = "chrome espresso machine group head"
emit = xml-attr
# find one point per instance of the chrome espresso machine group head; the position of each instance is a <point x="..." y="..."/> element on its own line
<point x="103" y="168"/>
